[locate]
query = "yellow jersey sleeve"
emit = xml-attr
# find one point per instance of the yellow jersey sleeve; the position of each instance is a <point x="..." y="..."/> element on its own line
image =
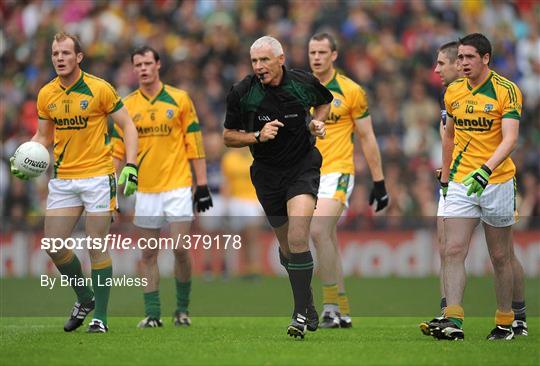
<point x="192" y="129"/>
<point x="359" y="106"/>
<point x="42" y="104"/>
<point x="110" y="100"/>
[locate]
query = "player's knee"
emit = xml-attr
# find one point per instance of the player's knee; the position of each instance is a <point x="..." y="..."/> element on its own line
<point x="320" y="235"/>
<point x="181" y="255"/>
<point x="454" y="250"/>
<point x="500" y="258"/>
<point x="298" y="241"/>
<point x="149" y="256"/>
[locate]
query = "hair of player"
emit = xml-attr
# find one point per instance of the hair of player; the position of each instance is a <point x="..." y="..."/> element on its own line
<point x="330" y="38"/>
<point x="450" y="49"/>
<point x="277" y="49"/>
<point x="144" y="49"/>
<point x="61" y="36"/>
<point x="478" y="41"/>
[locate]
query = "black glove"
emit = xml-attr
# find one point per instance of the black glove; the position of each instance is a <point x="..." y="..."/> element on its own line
<point x="378" y="193"/>
<point x="202" y="198"/>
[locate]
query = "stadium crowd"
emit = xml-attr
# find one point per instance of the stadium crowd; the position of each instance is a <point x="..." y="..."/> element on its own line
<point x="389" y="47"/>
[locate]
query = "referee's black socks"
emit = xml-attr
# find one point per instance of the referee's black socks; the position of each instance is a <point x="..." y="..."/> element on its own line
<point x="300" y="269"/>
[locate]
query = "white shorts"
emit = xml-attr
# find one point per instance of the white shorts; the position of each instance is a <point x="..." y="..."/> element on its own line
<point x="440" y="207"/>
<point x="243" y="213"/>
<point x="96" y="194"/>
<point x="338" y="186"/>
<point x="496" y="206"/>
<point x="213" y="219"/>
<point x="153" y="210"/>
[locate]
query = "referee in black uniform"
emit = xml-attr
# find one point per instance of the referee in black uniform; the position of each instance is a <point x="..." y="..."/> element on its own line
<point x="270" y="112"/>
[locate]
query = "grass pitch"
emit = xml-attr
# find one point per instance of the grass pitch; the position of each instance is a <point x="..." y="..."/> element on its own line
<point x="388" y="336"/>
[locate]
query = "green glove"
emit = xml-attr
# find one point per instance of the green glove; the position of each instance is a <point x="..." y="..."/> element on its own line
<point x="129" y="177"/>
<point x="477" y="180"/>
<point x="16" y="171"/>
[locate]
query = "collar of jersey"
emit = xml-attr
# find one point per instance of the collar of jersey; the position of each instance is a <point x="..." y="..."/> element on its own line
<point x="333" y="84"/>
<point x="479" y="86"/>
<point x="72" y="86"/>
<point x="153" y="100"/>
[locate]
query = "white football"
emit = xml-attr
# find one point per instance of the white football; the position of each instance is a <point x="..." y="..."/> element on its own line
<point x="32" y="159"/>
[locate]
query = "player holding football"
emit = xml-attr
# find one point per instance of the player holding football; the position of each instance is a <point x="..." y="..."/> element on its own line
<point x="449" y="70"/>
<point x="73" y="110"/>
<point x="169" y="138"/>
<point x="483" y="113"/>
<point x="349" y="113"/>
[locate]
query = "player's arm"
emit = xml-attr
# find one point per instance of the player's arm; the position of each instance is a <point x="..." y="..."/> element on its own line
<point x="129" y="173"/>
<point x="45" y="132"/>
<point x="447" y="151"/>
<point x="372" y="154"/>
<point x="510" y="133"/>
<point x="44" y="135"/>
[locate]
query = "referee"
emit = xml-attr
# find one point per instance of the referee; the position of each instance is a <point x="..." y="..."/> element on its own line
<point x="270" y="112"/>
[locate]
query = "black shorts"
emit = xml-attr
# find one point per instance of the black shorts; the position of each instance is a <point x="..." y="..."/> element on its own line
<point x="275" y="186"/>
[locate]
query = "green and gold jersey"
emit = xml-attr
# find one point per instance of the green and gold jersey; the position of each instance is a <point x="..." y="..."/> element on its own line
<point x="79" y="112"/>
<point x="478" y="114"/>
<point x="169" y="135"/>
<point x="349" y="104"/>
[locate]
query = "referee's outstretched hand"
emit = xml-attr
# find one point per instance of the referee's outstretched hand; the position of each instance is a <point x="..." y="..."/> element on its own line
<point x="270" y="130"/>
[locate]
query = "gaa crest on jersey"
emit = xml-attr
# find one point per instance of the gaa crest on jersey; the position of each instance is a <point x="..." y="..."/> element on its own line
<point x="455" y="105"/>
<point x="170" y="113"/>
<point x="337" y="102"/>
<point x="84" y="104"/>
<point x="488" y="108"/>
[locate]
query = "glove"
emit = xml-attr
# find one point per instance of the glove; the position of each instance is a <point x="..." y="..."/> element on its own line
<point x="129" y="177"/>
<point x="477" y="180"/>
<point x="202" y="198"/>
<point x="16" y="171"/>
<point x="378" y="193"/>
<point x="444" y="189"/>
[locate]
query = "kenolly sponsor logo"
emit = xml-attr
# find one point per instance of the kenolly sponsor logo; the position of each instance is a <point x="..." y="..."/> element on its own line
<point x="160" y="130"/>
<point x="74" y="123"/>
<point x="481" y="124"/>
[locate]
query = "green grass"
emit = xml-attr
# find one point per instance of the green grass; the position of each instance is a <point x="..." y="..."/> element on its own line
<point x="257" y="341"/>
<point x="222" y="334"/>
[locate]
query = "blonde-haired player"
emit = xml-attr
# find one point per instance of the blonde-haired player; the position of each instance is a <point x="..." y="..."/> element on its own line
<point x="72" y="111"/>
<point x="349" y="114"/>
<point x="169" y="139"/>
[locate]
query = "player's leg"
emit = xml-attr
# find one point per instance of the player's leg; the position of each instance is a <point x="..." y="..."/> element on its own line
<point x="150" y="271"/>
<point x="324" y="222"/>
<point x="518" y="299"/>
<point x="59" y="224"/>
<point x="499" y="242"/>
<point x="425" y="326"/>
<point x="498" y="215"/>
<point x="97" y="226"/>
<point x="458" y="232"/>
<point x="182" y="274"/>
<point x="99" y="198"/>
<point x="345" y="320"/>
<point x="149" y="219"/>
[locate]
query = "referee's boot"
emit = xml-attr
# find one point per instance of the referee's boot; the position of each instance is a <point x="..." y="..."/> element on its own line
<point x="297" y="328"/>
<point x="78" y="314"/>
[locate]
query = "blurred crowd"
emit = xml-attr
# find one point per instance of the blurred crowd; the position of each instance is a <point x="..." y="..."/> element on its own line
<point x="388" y="46"/>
